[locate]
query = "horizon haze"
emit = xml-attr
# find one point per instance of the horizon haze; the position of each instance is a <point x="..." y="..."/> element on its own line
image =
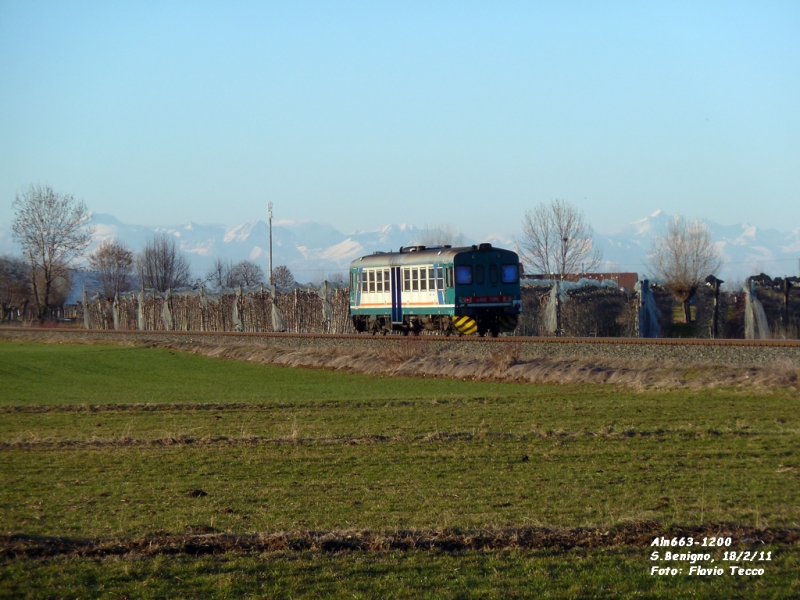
<point x="314" y="249"/>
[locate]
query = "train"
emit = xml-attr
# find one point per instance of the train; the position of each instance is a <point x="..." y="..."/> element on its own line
<point x="454" y="291"/>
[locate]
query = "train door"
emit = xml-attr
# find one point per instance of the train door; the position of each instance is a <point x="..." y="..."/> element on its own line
<point x="397" y="303"/>
<point x="359" y="285"/>
<point x="438" y="274"/>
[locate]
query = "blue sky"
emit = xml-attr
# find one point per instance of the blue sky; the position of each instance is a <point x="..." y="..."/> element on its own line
<point x="362" y="114"/>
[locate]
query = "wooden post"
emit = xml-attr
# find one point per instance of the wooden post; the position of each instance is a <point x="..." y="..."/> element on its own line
<point x="715" y="323"/>
<point x="715" y="285"/>
<point x="787" y="286"/>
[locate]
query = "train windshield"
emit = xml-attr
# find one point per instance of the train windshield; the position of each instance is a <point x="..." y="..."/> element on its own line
<point x="510" y="273"/>
<point x="463" y="274"/>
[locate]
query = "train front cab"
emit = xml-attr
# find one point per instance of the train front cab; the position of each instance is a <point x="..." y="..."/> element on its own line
<point x="487" y="291"/>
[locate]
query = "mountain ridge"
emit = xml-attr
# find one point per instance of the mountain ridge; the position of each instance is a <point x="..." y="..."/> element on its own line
<point x="313" y="250"/>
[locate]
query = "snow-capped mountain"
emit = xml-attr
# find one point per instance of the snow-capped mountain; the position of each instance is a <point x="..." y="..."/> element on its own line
<point x="745" y="249"/>
<point x="312" y="250"/>
<point x="309" y="249"/>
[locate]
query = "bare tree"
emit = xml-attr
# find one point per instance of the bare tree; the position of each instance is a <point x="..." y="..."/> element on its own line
<point x="220" y="274"/>
<point x="162" y="265"/>
<point x="683" y="257"/>
<point x="112" y="263"/>
<point x="247" y="273"/>
<point x="59" y="289"/>
<point x="15" y="285"/>
<point x="282" y="276"/>
<point x="319" y="277"/>
<point x="440" y="234"/>
<point x="53" y="230"/>
<point x="337" y="277"/>
<point x="557" y="240"/>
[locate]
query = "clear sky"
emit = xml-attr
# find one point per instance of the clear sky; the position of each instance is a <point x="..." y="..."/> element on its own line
<point x="364" y="113"/>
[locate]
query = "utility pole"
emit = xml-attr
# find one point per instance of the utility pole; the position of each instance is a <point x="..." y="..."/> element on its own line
<point x="270" y="242"/>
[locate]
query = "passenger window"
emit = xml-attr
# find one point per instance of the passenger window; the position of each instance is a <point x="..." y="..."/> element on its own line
<point x="423" y="281"/>
<point x="372" y="281"/>
<point x="439" y="278"/>
<point x="479" y="274"/>
<point x="414" y="280"/>
<point x="431" y="279"/>
<point x="492" y="273"/>
<point x="510" y="273"/>
<point x="379" y="281"/>
<point x="386" y="287"/>
<point x="364" y="282"/>
<point x="406" y="280"/>
<point x="463" y="274"/>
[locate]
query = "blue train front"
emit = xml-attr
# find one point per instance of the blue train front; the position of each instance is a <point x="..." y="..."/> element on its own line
<point x="466" y="290"/>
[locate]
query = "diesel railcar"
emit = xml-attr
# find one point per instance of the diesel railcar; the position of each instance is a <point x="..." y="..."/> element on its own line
<point x="464" y="290"/>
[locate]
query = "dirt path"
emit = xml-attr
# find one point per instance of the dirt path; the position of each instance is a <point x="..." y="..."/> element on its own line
<point x="198" y="543"/>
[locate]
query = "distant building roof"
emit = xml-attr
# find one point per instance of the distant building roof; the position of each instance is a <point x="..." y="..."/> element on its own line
<point x="624" y="281"/>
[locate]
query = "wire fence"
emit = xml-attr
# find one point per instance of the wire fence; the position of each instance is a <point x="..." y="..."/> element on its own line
<point x="766" y="308"/>
<point x="299" y="309"/>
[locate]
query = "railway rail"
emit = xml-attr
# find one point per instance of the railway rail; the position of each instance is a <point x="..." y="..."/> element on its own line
<point x="427" y="337"/>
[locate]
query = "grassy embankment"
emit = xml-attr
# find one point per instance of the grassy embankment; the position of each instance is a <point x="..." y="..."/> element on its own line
<point x="113" y="443"/>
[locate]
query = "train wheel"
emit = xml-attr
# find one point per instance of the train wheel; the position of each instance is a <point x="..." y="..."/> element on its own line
<point x="359" y="325"/>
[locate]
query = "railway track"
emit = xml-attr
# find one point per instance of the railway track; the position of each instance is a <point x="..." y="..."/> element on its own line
<point x="430" y="338"/>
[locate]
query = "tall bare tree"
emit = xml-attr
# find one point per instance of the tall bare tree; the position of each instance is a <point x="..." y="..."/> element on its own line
<point x="440" y="234"/>
<point x="220" y="275"/>
<point x="336" y="277"/>
<point x="53" y="230"/>
<point x="247" y="273"/>
<point x="162" y="265"/>
<point x="59" y="289"/>
<point x="683" y="257"/>
<point x="282" y="276"/>
<point x="556" y="240"/>
<point x="112" y="264"/>
<point x="15" y="285"/>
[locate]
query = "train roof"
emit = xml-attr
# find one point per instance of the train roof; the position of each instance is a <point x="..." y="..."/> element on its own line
<point x="421" y="255"/>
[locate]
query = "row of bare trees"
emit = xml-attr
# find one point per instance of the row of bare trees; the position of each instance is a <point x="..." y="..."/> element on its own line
<point x="227" y="274"/>
<point x="54" y="231"/>
<point x="557" y="242"/>
<point x="161" y="265"/>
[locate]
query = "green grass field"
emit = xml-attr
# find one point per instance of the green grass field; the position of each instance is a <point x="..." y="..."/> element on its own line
<point x="106" y="444"/>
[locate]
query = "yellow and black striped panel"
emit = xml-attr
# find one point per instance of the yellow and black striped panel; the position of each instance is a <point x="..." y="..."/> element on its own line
<point x="466" y="325"/>
<point x="508" y="323"/>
